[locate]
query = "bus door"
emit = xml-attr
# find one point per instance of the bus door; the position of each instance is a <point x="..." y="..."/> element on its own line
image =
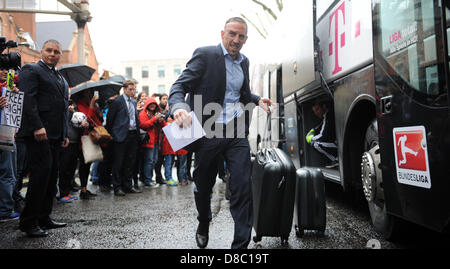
<point x="411" y="76"/>
<point x="277" y="120"/>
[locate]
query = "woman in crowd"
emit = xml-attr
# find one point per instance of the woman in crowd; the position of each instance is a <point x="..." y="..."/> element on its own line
<point x="87" y="103"/>
<point x="138" y="173"/>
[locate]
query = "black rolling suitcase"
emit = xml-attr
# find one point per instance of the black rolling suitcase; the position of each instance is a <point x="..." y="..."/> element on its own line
<point x="310" y="201"/>
<point x="273" y="186"/>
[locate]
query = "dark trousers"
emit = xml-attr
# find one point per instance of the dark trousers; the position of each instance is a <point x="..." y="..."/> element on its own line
<point x="21" y="168"/>
<point x="189" y="164"/>
<point x="105" y="167"/>
<point x="43" y="161"/>
<point x="158" y="165"/>
<point x="236" y="152"/>
<point x="123" y="163"/>
<point x="67" y="167"/>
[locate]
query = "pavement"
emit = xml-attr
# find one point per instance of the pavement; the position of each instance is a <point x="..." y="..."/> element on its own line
<point x="165" y="218"/>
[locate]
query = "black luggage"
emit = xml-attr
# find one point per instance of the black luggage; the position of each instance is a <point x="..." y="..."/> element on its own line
<point x="310" y="201"/>
<point x="273" y="186"/>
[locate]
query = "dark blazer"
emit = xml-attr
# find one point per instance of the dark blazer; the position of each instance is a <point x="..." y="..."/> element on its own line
<point x="46" y="101"/>
<point x="205" y="75"/>
<point x="118" y="120"/>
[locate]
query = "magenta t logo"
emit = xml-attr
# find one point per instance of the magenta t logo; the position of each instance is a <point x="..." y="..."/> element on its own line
<point x="335" y="15"/>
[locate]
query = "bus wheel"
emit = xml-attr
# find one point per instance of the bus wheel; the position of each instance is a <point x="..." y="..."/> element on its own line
<point x="372" y="182"/>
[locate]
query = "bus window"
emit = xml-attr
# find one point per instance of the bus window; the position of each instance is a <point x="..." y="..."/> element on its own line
<point x="407" y="29"/>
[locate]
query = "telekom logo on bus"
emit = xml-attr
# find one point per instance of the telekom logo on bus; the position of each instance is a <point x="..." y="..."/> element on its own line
<point x="335" y="16"/>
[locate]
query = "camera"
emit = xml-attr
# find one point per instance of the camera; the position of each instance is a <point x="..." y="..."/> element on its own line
<point x="11" y="60"/>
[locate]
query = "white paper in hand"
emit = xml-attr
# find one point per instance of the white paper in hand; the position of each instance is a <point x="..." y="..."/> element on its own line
<point x="181" y="137"/>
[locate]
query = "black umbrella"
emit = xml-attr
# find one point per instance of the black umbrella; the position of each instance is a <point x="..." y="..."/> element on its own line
<point x="76" y="73"/>
<point x="100" y="86"/>
<point x="119" y="78"/>
<point x="105" y="88"/>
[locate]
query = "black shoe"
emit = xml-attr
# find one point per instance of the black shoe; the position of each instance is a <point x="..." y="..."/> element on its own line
<point x="105" y="188"/>
<point x="90" y="193"/>
<point x="133" y="190"/>
<point x="51" y="224"/>
<point x="119" y="193"/>
<point x="202" y="235"/>
<point x="34" y="231"/>
<point x="85" y="196"/>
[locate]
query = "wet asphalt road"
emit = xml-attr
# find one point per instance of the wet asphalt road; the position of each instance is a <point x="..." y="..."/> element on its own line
<point x="165" y="218"/>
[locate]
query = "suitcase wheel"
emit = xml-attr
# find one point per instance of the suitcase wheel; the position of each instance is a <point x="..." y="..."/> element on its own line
<point x="284" y="240"/>
<point x="321" y="232"/>
<point x="257" y="238"/>
<point x="299" y="232"/>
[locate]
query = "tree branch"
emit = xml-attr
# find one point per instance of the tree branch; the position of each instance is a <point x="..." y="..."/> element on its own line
<point x="280" y="5"/>
<point x="254" y="25"/>
<point x="266" y="9"/>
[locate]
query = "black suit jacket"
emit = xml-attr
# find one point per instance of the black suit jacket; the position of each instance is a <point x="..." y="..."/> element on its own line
<point x="118" y="120"/>
<point x="46" y="101"/>
<point x="205" y="75"/>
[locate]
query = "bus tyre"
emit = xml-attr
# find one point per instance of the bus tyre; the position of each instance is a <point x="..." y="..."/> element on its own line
<point x="372" y="182"/>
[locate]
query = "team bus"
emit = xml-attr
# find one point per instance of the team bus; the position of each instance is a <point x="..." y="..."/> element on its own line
<point x="384" y="66"/>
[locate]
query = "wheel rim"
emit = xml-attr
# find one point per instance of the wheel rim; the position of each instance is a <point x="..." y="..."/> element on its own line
<point x="371" y="176"/>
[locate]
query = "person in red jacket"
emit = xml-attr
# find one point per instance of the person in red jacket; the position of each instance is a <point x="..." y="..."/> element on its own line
<point x="151" y="121"/>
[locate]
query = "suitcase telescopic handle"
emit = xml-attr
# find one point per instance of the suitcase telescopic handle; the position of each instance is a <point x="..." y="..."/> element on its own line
<point x="267" y="135"/>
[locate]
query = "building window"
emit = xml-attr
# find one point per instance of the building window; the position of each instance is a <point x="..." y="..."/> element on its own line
<point x="161" y="71"/>
<point x="145" y="89"/>
<point x="129" y="72"/>
<point x="177" y="70"/>
<point x="161" y="88"/>
<point x="145" y="72"/>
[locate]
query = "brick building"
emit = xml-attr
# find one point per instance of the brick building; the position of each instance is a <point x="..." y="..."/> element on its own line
<point x="23" y="28"/>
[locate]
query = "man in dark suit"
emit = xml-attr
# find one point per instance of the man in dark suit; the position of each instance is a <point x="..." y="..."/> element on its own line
<point x="44" y="128"/>
<point x="122" y="122"/>
<point x="220" y="75"/>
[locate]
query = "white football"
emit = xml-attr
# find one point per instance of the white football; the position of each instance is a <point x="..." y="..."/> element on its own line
<point x="78" y="118"/>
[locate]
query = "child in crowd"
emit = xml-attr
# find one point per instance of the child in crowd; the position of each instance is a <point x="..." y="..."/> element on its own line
<point x="182" y="167"/>
<point x="168" y="155"/>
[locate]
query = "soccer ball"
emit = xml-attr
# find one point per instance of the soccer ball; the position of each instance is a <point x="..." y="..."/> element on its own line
<point x="78" y="118"/>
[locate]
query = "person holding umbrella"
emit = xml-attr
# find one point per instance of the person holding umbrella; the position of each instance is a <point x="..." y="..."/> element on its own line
<point x="87" y="104"/>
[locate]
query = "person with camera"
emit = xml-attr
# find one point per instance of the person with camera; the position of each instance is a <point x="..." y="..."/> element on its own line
<point x="44" y="128"/>
<point x="152" y="122"/>
<point x="122" y="122"/>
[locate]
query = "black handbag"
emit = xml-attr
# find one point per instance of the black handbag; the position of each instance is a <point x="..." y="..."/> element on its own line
<point x="144" y="138"/>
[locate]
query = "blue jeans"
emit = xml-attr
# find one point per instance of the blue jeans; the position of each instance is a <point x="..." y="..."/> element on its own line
<point x="182" y="168"/>
<point x="150" y="159"/>
<point x="94" y="173"/>
<point x="7" y="181"/>
<point x="168" y="163"/>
